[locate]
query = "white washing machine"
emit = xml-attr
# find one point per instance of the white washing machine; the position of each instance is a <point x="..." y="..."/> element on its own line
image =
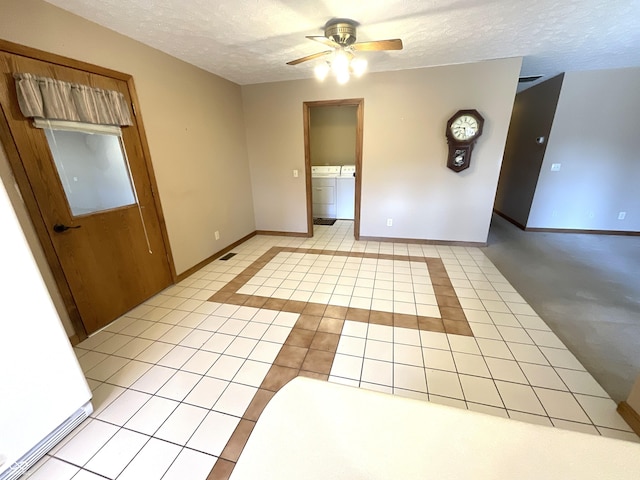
<point x="324" y="191"/>
<point x="346" y="193"/>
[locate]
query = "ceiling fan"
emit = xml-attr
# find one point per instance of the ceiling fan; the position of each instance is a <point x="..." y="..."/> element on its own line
<point x="340" y="35"/>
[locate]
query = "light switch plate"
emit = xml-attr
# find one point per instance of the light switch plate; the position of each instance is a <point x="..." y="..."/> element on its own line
<point x="555" y="167"/>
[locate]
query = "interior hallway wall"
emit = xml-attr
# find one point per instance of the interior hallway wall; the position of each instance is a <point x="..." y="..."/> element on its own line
<point x="595" y="140"/>
<point x="193" y="120"/>
<point x="404" y="174"/>
<point x="332" y="135"/>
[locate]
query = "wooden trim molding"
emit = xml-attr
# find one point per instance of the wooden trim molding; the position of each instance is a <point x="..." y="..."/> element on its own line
<point x="213" y="257"/>
<point x="74" y="340"/>
<point x="630" y="416"/>
<point x="565" y="230"/>
<point x="590" y="232"/>
<point x="509" y="219"/>
<point x="283" y="234"/>
<point x="424" y="241"/>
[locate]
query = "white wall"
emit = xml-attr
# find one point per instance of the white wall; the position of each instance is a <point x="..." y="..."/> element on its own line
<point x="332" y="135"/>
<point x="595" y="139"/>
<point x="193" y="121"/>
<point x="404" y="174"/>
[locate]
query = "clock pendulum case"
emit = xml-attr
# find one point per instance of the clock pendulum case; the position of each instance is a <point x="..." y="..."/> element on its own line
<point x="463" y="129"/>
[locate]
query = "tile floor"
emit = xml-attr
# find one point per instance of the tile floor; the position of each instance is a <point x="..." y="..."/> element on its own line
<point x="179" y="381"/>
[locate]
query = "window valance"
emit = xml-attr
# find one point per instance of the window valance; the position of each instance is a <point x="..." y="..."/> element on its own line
<point x="51" y="99"/>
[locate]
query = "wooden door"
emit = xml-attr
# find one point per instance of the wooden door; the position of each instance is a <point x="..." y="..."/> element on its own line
<point x="117" y="258"/>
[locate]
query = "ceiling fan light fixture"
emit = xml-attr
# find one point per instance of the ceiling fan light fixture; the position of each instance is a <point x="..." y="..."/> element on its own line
<point x="321" y="71"/>
<point x="343" y="77"/>
<point x="358" y="66"/>
<point x="340" y="63"/>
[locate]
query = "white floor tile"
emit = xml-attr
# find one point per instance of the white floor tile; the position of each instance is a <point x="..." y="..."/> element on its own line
<point x="265" y="352"/>
<point x="530" y="418"/>
<point x="471" y="364"/>
<point x="214" y="433"/>
<point x="154" y="379"/>
<point x="489" y="410"/>
<point x="94" y="340"/>
<point x="375" y="371"/>
<point x="156" y="331"/>
<point x="527" y="353"/>
<point x="252" y="373"/>
<point x="443" y="383"/>
<point x="619" y="434"/>
<point x="507" y="370"/>
<point x="561" y="405"/>
<point x="179" y="386"/>
<point x="351" y="346"/>
<point x="377" y="350"/>
<point x="344" y="381"/>
<point x="602" y="412"/>
<point x="124" y="407"/>
<point x="155" y="352"/>
<point x="355" y="329"/>
<point x="152" y="415"/>
<point x="152" y="461"/>
<point x="90" y="359"/>
<point x="106" y="368"/>
<point x="519" y="397"/>
<point x="451" y="402"/>
<point x="542" y="376"/>
<point x="484" y="330"/>
<point x="408" y="377"/>
<point x="561" y="357"/>
<point x="134" y="348"/>
<point x="233" y="326"/>
<point x="347" y="366"/>
<point x="241" y="347"/>
<point x="438" y="359"/>
<point x="129" y="374"/>
<point x="218" y="342"/>
<point x="574" y="426"/>
<point x="494" y="348"/>
<point x="235" y="399"/>
<point x="87" y="475"/>
<point x="276" y="334"/>
<point x="408" y="355"/>
<point x="112" y="459"/>
<point x="581" y="382"/>
<point x="225" y="367"/>
<point x="176" y="335"/>
<point x="200" y="362"/>
<point x="422" y="396"/>
<point x="52" y="468"/>
<point x="505" y="319"/>
<point x="381" y="333"/>
<point x="463" y="344"/>
<point x="480" y="390"/>
<point x="181" y="424"/>
<point x="515" y="335"/>
<point x="192" y="319"/>
<point x="190" y="464"/>
<point x="103" y="395"/>
<point x="376" y="388"/>
<point x="545" y="339"/>
<point x="112" y="344"/>
<point x="254" y="330"/>
<point x="406" y="336"/>
<point x="206" y="393"/>
<point x="434" y="340"/>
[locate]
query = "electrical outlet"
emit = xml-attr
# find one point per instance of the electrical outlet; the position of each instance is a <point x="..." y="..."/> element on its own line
<point x="555" y="167"/>
<point x="622" y="215"/>
<point x="217" y="235"/>
<point x="295" y="174"/>
<point x="389" y="222"/>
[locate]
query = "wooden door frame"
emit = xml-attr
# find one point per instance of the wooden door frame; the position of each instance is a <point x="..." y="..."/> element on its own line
<point x="306" y="119"/>
<point x="27" y="193"/>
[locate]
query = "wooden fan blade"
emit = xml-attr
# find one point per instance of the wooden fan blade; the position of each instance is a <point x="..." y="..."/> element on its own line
<point x="325" y="41"/>
<point x="395" y="44"/>
<point x="309" y="57"/>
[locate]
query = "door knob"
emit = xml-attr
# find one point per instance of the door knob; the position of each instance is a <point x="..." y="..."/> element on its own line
<point x="59" y="228"/>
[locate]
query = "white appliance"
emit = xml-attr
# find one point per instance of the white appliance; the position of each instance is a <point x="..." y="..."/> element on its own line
<point x="323" y="183"/>
<point x="346" y="193"/>
<point x="43" y="393"/>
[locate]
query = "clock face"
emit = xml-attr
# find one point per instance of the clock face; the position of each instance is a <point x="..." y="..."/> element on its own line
<point x="464" y="127"/>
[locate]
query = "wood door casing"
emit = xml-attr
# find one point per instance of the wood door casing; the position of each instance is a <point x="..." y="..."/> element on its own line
<point x="106" y="263"/>
<point x="306" y="121"/>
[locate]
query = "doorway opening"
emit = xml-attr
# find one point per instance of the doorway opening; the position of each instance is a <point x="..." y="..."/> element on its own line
<point x="334" y="191"/>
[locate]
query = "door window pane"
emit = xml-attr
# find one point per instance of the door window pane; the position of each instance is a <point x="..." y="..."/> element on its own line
<point x="92" y="169"/>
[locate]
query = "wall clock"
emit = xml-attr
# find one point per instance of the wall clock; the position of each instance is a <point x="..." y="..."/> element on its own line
<point x="463" y="129"/>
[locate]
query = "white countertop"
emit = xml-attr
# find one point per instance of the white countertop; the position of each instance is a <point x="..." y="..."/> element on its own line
<point x="319" y="430"/>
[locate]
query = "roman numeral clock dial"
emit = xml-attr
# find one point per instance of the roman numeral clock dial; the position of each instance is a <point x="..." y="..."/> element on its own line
<point x="463" y="130"/>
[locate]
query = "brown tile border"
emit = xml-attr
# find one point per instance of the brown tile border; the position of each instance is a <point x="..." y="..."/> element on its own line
<point x="310" y="348"/>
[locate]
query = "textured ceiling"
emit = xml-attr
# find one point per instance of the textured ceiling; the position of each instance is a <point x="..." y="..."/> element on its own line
<point x="249" y="41"/>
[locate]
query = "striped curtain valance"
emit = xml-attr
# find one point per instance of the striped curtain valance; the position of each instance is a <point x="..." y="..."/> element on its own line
<point x="51" y="99"/>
